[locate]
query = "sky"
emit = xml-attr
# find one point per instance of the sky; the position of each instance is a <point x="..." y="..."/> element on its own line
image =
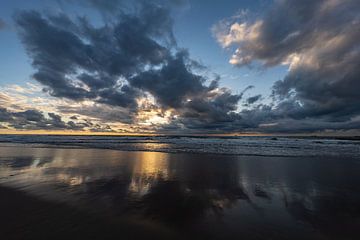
<point x="180" y="66"/>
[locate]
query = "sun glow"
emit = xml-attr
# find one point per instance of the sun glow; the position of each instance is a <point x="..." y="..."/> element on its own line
<point x="150" y="113"/>
<point x="155" y="117"/>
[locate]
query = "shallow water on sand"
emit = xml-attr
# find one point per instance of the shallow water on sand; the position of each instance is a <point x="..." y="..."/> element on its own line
<point x="210" y="195"/>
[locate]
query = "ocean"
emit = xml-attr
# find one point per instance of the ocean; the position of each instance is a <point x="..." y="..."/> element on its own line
<point x="249" y="145"/>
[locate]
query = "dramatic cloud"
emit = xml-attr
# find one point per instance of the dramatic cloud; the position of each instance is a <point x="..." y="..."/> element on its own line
<point x="121" y="66"/>
<point x="129" y="74"/>
<point x="173" y="83"/>
<point x="319" y="41"/>
<point x="79" y="61"/>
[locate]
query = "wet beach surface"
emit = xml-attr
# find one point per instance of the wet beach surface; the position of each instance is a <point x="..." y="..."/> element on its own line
<point x="26" y="217"/>
<point x="108" y="194"/>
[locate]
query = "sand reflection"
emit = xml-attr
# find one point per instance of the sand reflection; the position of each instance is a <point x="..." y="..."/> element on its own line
<point x="193" y="190"/>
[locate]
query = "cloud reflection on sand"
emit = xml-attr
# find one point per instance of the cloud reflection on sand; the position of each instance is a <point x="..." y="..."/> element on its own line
<point x="210" y="193"/>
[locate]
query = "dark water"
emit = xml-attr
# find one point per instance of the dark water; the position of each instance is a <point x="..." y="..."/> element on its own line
<point x="210" y="195"/>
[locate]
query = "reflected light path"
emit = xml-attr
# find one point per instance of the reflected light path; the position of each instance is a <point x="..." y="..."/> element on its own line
<point x="214" y="194"/>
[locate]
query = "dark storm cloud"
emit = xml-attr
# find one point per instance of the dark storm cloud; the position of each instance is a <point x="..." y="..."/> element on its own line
<point x="327" y="82"/>
<point x="29" y="115"/>
<point x="173" y="83"/>
<point x="132" y="56"/>
<point x="211" y="112"/>
<point x="319" y="40"/>
<point x="79" y="61"/>
<point x="215" y="111"/>
<point x="5" y="115"/>
<point x="36" y="120"/>
<point x="198" y="106"/>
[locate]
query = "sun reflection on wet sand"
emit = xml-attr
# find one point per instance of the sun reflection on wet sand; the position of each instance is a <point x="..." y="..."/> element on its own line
<point x="75" y="167"/>
<point x="148" y="167"/>
<point x="207" y="193"/>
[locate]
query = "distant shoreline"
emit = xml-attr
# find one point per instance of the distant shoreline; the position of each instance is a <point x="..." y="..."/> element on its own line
<point x="353" y="138"/>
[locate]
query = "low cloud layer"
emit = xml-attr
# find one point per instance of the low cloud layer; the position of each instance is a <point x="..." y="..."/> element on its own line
<point x="35" y="120"/>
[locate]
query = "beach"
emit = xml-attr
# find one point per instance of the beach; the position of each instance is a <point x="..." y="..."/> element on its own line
<point x="58" y="192"/>
<point x="180" y="119"/>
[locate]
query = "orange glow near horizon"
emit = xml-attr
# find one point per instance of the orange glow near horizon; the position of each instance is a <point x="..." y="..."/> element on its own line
<point x="44" y="132"/>
<point x="40" y="132"/>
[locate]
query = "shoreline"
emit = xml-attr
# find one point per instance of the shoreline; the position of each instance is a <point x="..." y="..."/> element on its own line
<point x="176" y="151"/>
<point x="54" y="146"/>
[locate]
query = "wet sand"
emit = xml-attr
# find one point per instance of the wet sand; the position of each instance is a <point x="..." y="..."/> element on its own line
<point x="27" y="217"/>
<point x="49" y="193"/>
